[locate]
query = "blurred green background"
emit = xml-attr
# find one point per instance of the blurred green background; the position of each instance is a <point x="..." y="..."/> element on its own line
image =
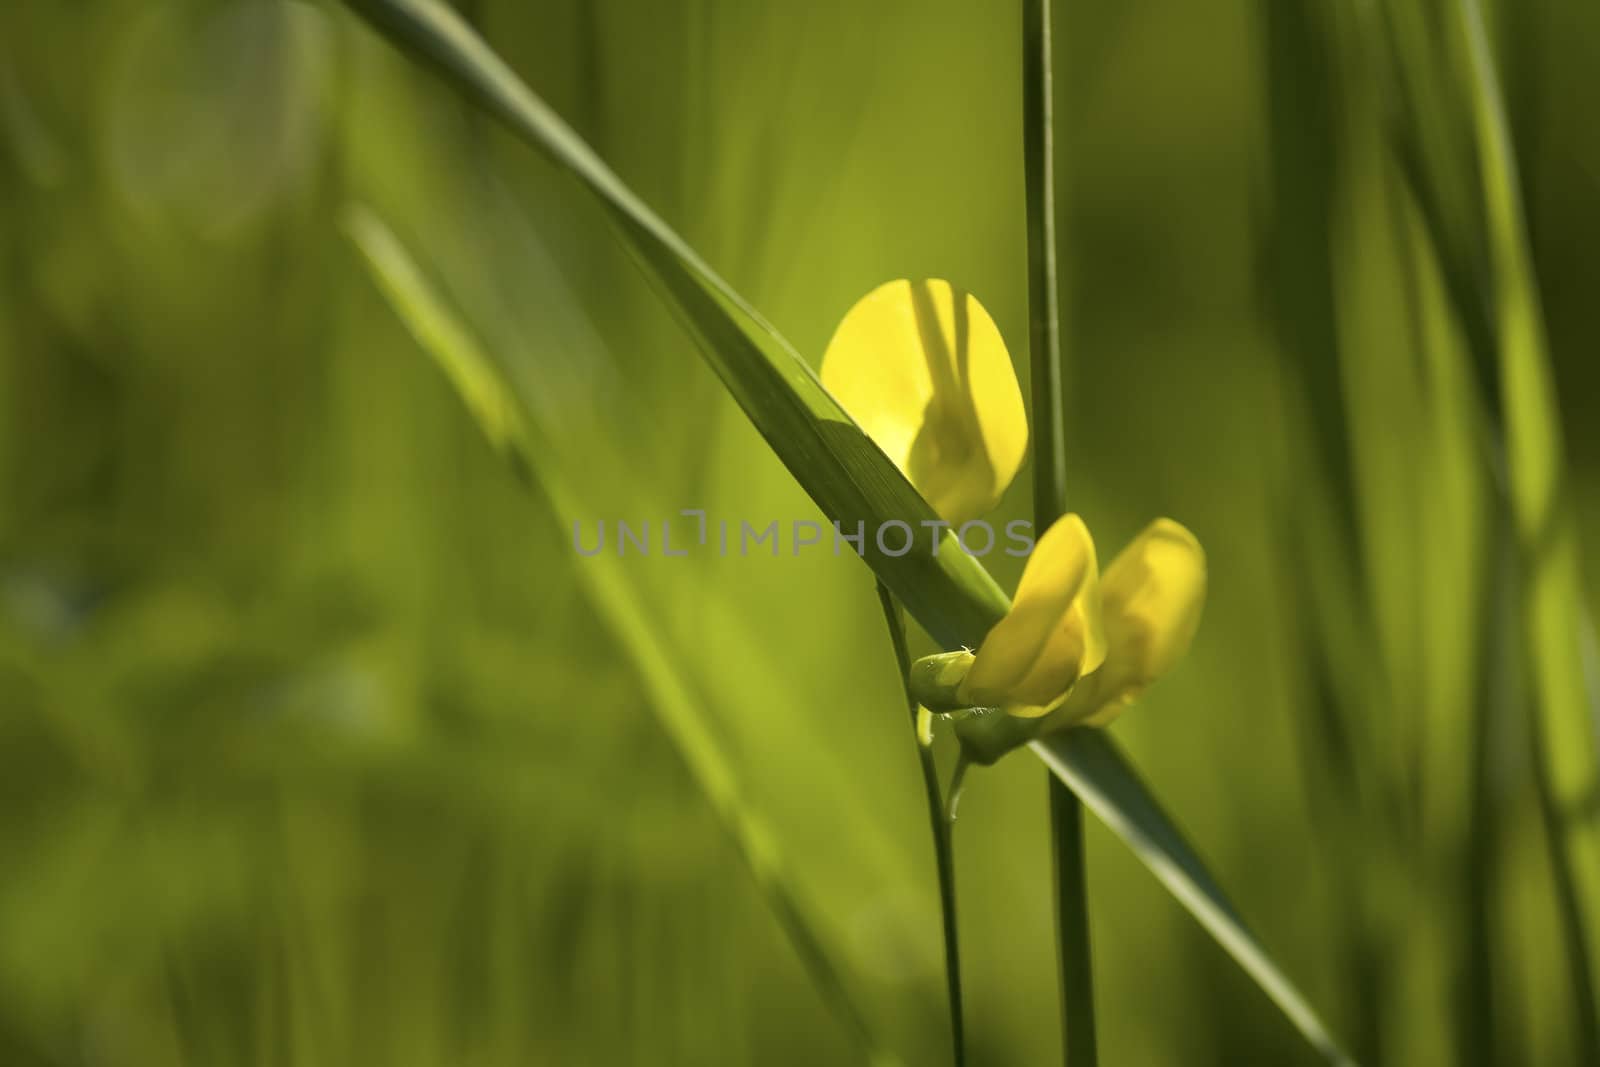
<point x="315" y="748"/>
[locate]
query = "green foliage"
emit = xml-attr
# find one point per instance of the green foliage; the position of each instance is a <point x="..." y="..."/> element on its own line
<point x="853" y="483"/>
<point x="321" y="745"/>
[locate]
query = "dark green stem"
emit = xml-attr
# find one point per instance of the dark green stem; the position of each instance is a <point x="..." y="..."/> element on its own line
<point x="943" y="846"/>
<point x="1044" y="314"/>
<point x="1072" y="926"/>
<point x="1049" y="503"/>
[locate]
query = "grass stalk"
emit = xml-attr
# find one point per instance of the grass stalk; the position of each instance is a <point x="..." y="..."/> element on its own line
<point x="1072" y="926"/>
<point x="1566" y="751"/>
<point x="941" y="821"/>
<point x="1049" y="503"/>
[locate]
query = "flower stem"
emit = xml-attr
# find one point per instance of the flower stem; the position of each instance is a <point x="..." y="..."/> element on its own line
<point x="1072" y="926"/>
<point x="938" y="820"/>
<point x="1044" y="313"/>
<point x="1049" y="503"/>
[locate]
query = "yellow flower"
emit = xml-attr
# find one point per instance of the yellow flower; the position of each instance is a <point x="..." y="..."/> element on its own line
<point x="1077" y="647"/>
<point x="1150" y="603"/>
<point x="922" y="368"/>
<point x="1052" y="636"/>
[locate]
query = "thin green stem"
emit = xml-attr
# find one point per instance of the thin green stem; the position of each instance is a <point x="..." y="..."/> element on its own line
<point x="1072" y="926"/>
<point x="938" y="820"/>
<point x="1049" y="503"/>
<point x="1044" y="312"/>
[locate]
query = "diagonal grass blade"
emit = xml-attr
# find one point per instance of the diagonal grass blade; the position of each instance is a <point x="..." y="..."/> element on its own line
<point x="498" y="413"/>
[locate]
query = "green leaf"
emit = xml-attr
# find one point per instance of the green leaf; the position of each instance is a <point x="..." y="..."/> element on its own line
<point x="477" y="380"/>
<point x="1554" y="615"/>
<point x="1089" y="762"/>
<point x="950" y="593"/>
<point x="674" y="696"/>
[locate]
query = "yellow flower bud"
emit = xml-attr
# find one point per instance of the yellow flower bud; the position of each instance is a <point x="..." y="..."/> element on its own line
<point x="922" y="368"/>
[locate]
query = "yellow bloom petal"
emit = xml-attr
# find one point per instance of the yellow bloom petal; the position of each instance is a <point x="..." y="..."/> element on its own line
<point x="922" y="367"/>
<point x="1032" y="658"/>
<point x="1151" y="596"/>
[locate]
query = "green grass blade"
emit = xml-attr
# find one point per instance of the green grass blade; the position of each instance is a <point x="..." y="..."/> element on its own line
<point x="838" y="466"/>
<point x="673" y="695"/>
<point x="1089" y="762"/>
<point x="950" y="594"/>
<point x="1049" y="504"/>
<point x="1553" y="607"/>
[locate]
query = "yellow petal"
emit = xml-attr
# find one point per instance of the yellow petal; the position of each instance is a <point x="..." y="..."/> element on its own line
<point x="923" y="369"/>
<point x="1052" y="636"/>
<point x="1151" y="596"/>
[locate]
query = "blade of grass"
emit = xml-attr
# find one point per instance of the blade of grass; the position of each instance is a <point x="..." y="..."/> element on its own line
<point x="498" y="413"/>
<point x="838" y="465"/>
<point x="950" y="593"/>
<point x="1430" y="155"/>
<point x="1090" y="763"/>
<point x="1480" y="238"/>
<point x="1468" y="604"/>
<point x="938" y="820"/>
<point x="1050" y="503"/>
<point x="1340" y="762"/>
<point x="1553" y="608"/>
